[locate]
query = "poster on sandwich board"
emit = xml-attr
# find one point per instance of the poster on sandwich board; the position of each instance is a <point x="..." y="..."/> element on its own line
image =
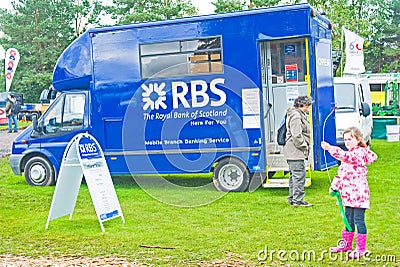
<point x="83" y="157"/>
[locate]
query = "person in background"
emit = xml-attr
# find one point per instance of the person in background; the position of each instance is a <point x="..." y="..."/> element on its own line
<point x="10" y="113"/>
<point x="352" y="184"/>
<point x="297" y="149"/>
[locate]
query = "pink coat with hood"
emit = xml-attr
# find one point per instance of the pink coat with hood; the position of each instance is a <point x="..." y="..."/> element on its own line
<point x="352" y="175"/>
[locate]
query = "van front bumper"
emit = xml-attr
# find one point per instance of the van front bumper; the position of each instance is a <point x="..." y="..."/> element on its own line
<point x="15" y="163"/>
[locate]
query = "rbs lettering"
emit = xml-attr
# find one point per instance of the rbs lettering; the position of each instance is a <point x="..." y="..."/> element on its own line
<point x="88" y="148"/>
<point x="197" y="92"/>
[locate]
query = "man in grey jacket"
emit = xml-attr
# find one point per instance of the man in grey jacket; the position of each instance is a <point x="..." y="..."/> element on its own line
<point x="10" y="113"/>
<point x="297" y="149"/>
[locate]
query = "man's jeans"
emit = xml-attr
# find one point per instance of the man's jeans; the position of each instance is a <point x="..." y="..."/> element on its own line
<point x="11" y="119"/>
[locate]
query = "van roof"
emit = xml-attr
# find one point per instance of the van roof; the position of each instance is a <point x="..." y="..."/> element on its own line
<point x="202" y="17"/>
<point x="74" y="66"/>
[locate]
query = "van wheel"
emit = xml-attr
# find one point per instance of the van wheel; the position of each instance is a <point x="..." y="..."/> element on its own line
<point x="39" y="172"/>
<point x="231" y="174"/>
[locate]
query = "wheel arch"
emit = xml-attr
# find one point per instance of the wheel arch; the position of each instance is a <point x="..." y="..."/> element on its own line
<point x="225" y="157"/>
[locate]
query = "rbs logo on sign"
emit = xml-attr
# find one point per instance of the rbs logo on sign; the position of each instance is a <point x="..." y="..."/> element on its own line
<point x="88" y="149"/>
<point x="198" y="91"/>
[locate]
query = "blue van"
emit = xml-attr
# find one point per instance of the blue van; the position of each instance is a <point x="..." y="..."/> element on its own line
<point x="193" y="95"/>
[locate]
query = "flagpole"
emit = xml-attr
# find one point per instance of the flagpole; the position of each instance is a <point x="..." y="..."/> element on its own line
<point x="5" y="72"/>
<point x="341" y="51"/>
<point x="5" y="52"/>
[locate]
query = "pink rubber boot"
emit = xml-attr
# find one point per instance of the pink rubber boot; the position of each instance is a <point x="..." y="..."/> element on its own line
<point x="360" y="251"/>
<point x="346" y="244"/>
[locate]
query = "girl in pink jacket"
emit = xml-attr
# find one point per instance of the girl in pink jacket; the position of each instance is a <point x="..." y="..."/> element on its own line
<point x="352" y="183"/>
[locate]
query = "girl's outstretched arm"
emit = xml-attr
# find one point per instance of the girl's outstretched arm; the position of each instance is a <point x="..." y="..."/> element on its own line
<point x="359" y="156"/>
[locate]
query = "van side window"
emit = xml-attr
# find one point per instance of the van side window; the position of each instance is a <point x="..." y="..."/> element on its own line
<point x="181" y="58"/>
<point x="65" y="115"/>
<point x="73" y="111"/>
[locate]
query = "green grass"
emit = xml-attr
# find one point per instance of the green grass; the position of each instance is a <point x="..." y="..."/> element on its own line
<point x="21" y="125"/>
<point x="241" y="223"/>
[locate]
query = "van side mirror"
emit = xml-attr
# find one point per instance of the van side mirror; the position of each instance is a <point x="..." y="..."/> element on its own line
<point x="35" y="122"/>
<point x="365" y="109"/>
<point x="36" y="125"/>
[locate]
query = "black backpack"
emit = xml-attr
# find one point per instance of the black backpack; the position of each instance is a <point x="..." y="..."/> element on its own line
<point x="16" y="108"/>
<point x="281" y="134"/>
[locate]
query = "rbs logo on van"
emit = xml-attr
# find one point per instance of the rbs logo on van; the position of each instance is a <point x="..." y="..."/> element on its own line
<point x="154" y="94"/>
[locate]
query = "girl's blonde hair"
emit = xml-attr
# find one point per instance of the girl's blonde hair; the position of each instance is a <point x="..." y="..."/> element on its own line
<point x="356" y="133"/>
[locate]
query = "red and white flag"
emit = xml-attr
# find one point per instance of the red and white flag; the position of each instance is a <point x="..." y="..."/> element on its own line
<point x="354" y="53"/>
<point x="11" y="63"/>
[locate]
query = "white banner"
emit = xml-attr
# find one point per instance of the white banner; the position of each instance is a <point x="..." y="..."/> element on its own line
<point x="354" y="53"/>
<point x="10" y="65"/>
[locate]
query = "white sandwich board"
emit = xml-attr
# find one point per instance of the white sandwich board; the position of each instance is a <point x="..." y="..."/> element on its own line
<point x="83" y="157"/>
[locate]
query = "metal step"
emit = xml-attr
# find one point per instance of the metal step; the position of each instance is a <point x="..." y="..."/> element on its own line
<point x="276" y="162"/>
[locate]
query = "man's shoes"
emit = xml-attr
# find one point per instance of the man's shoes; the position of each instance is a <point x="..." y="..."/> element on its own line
<point x="302" y="204"/>
<point x="9" y="131"/>
<point x="15" y="131"/>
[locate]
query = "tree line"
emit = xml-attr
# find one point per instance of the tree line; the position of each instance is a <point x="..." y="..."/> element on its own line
<point x="42" y="29"/>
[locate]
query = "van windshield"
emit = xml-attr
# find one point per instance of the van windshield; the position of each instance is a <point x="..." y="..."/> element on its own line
<point x="345" y="96"/>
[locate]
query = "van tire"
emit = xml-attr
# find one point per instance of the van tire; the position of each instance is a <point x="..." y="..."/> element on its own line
<point x="231" y="175"/>
<point x="39" y="172"/>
